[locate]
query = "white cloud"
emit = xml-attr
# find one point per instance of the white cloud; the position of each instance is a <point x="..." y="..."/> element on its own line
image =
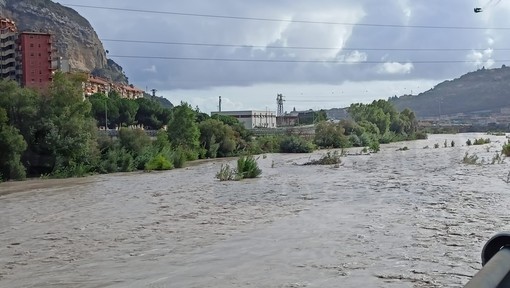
<point x="356" y="57"/>
<point x="395" y="68"/>
<point x="293" y="31"/>
<point x="151" y="69"/>
<point x="481" y="58"/>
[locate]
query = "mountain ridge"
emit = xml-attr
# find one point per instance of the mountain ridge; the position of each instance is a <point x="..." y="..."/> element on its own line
<point x="483" y="90"/>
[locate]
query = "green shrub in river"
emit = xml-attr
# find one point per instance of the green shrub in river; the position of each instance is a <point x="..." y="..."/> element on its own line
<point x="295" y="144"/>
<point x="247" y="167"/>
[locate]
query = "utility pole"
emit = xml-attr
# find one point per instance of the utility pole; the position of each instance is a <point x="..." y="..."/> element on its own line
<point x="279" y="101"/>
<point x="219" y="104"/>
<point x="106" y="114"/>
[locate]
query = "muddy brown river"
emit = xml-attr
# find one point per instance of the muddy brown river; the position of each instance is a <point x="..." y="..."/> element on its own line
<point x="416" y="218"/>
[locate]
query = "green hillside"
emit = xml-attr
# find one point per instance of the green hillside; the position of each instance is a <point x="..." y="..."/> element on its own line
<point x="482" y="90"/>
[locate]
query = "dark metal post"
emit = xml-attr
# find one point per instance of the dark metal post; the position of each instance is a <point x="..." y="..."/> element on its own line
<point x="496" y="264"/>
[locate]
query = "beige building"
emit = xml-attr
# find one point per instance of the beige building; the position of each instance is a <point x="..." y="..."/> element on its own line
<point x="100" y="85"/>
<point x="252" y="119"/>
<point x="8" y="37"/>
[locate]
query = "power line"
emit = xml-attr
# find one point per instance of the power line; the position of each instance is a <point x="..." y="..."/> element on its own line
<point x="291" y="47"/>
<point x="285" y="20"/>
<point x="297" y="61"/>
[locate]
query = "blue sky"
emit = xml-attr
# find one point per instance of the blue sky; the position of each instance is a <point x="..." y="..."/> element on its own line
<point x="350" y="62"/>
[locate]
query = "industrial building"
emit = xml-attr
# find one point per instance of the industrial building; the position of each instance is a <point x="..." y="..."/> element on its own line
<point x="252" y="119"/>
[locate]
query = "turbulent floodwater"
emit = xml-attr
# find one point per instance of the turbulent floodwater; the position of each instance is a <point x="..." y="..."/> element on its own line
<point x="415" y="218"/>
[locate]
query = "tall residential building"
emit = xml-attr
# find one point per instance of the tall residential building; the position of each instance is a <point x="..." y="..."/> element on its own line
<point x="8" y="35"/>
<point x="37" y="60"/>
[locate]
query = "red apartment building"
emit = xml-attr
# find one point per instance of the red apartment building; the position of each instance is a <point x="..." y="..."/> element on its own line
<point x="36" y="55"/>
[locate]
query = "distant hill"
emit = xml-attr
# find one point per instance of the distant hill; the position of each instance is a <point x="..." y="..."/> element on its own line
<point x="337" y="113"/>
<point x="161" y="100"/>
<point x="485" y="90"/>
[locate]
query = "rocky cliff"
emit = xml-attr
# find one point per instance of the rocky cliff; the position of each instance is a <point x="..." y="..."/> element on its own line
<point x="75" y="39"/>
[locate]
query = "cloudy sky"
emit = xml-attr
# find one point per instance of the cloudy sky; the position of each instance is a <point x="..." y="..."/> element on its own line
<point x="318" y="54"/>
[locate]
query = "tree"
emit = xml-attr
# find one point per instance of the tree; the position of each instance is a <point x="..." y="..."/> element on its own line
<point x="182" y="129"/>
<point x="64" y="139"/>
<point x="21" y="106"/>
<point x="410" y="124"/>
<point x="134" y="140"/>
<point x="99" y="108"/>
<point x="12" y="146"/>
<point x="150" y="114"/>
<point x="217" y="138"/>
<point x="330" y="135"/>
<point x="127" y="112"/>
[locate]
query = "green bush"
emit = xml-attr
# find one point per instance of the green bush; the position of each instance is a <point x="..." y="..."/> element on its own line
<point x="295" y="144"/>
<point x="470" y="159"/>
<point x="265" y="144"/>
<point x="134" y="140"/>
<point x="247" y="167"/>
<point x="330" y="135"/>
<point x="355" y="140"/>
<point x="506" y="149"/>
<point x="497" y="159"/>
<point x="468" y="142"/>
<point x="366" y="139"/>
<point x="179" y="158"/>
<point x="388" y="137"/>
<point x="213" y="150"/>
<point x="159" y="162"/>
<point x="482" y="141"/>
<point x="226" y="173"/>
<point x="375" y="147"/>
<point x="117" y="160"/>
<point x="420" y="135"/>
<point x="73" y="170"/>
<point x="146" y="155"/>
<point x="327" y="159"/>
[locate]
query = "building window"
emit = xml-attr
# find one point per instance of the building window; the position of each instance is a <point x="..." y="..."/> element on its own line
<point x="31" y="45"/>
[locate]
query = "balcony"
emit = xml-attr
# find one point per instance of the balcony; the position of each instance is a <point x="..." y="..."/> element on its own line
<point x="7" y="61"/>
<point x="8" y="52"/>
<point x="7" y="70"/>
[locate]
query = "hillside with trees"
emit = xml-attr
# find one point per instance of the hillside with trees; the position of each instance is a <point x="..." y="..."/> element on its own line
<point x="482" y="90"/>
